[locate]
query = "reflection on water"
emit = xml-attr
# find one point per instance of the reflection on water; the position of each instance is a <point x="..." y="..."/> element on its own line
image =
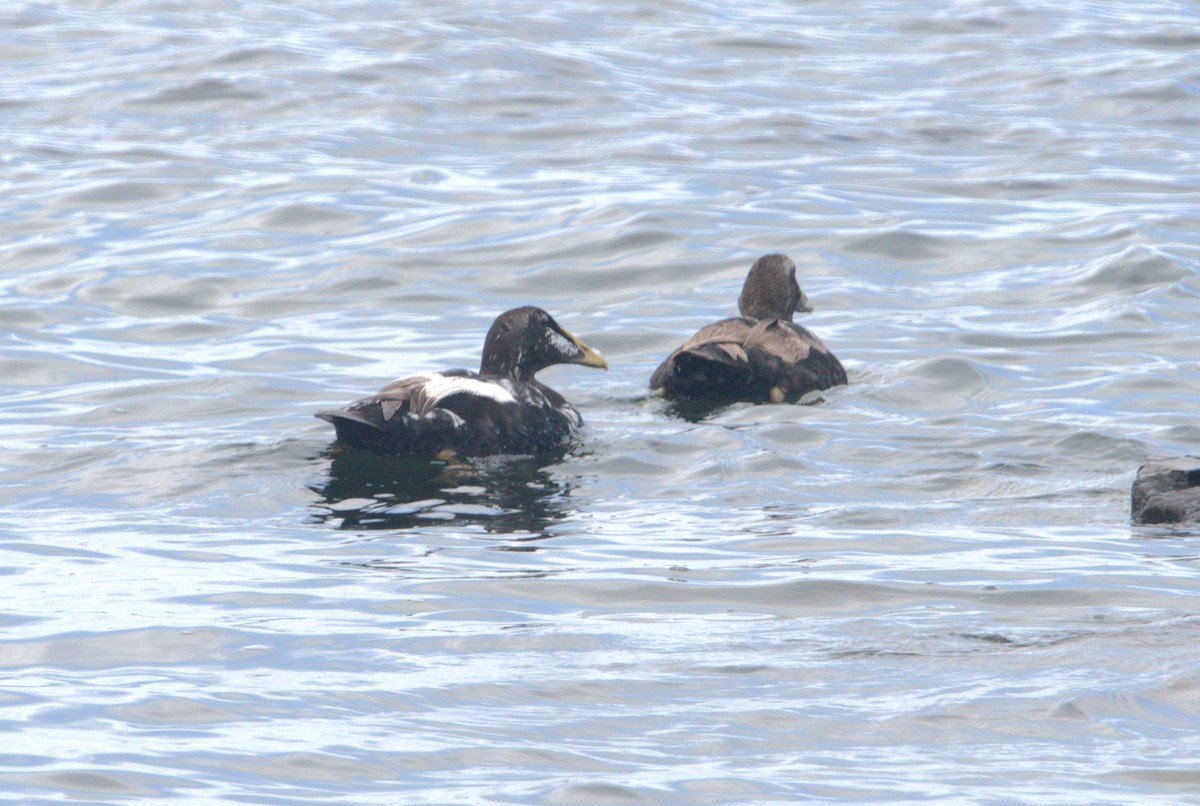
<point x="695" y="411"/>
<point x="219" y="219"/>
<point x="511" y="494"/>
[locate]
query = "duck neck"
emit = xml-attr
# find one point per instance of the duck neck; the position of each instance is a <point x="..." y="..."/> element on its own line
<point x="504" y="367"/>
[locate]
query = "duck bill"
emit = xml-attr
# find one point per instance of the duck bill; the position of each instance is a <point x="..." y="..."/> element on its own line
<point x="803" y="305"/>
<point x="587" y="357"/>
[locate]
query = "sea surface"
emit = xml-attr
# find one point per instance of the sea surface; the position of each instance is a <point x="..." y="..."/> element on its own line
<point x="220" y="217"/>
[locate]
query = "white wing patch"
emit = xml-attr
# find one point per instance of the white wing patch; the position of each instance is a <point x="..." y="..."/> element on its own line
<point x="438" y="387"/>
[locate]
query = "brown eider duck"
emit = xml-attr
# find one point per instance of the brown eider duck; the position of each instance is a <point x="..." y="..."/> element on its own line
<point x="758" y="356"/>
<point x="502" y="409"/>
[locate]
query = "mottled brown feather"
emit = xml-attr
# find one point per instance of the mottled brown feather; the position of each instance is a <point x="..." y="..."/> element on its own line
<point x="761" y="355"/>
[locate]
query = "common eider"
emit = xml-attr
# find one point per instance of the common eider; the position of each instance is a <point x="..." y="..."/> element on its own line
<point x="502" y="409"/>
<point x="759" y="356"/>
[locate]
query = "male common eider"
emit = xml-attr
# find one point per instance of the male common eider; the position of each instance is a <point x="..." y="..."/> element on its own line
<point x="758" y="356"/>
<point x="500" y="409"/>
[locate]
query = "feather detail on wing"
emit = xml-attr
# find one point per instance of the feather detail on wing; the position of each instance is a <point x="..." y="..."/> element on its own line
<point x="742" y="358"/>
<point x="457" y="410"/>
<point x="439" y="387"/>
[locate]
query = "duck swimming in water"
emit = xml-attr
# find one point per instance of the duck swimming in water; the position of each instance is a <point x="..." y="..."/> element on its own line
<point x="502" y="409"/>
<point x="761" y="355"/>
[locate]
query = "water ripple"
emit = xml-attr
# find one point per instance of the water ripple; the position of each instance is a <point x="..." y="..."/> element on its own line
<point x="220" y="219"/>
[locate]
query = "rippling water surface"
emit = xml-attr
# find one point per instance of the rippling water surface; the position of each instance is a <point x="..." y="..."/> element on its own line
<point x="220" y="217"/>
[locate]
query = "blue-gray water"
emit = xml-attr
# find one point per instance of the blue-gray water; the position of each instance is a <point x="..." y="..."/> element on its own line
<point x="220" y="217"/>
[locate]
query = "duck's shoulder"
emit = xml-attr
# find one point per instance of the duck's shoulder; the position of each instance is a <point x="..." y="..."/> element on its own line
<point x="735" y="330"/>
<point x="422" y="393"/>
<point x="402" y="389"/>
<point x="786" y="340"/>
<point x="443" y="389"/>
<point x="497" y="414"/>
<point x="456" y="388"/>
<point x="780" y="348"/>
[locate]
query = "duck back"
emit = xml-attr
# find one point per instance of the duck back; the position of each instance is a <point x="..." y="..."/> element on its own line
<point x="459" y="412"/>
<point x="748" y="359"/>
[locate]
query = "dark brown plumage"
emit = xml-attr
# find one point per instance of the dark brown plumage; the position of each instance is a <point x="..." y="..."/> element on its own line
<point x="759" y="356"/>
<point x="500" y="409"/>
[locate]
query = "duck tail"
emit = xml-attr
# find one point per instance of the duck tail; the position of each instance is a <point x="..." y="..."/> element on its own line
<point x="707" y="371"/>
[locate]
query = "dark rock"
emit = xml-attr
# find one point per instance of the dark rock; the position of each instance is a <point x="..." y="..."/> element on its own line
<point x="1167" y="491"/>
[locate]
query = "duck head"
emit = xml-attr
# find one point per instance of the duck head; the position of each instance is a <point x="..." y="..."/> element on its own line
<point x="771" y="290"/>
<point x="524" y="341"/>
